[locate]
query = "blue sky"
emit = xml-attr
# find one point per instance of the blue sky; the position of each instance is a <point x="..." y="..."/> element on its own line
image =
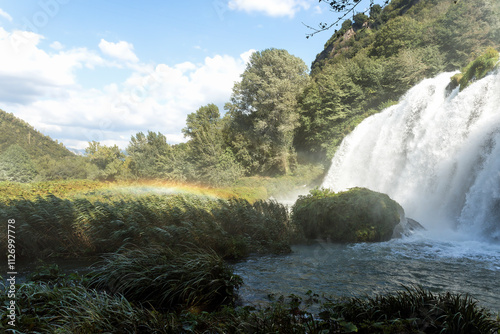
<point x="82" y="70"/>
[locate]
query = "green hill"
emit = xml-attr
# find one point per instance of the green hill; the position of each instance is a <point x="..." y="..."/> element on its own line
<point x="27" y="155"/>
<point x="16" y="131"/>
<point x="375" y="58"/>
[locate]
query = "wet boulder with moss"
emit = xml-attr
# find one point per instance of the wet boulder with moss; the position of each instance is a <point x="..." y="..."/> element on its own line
<point x="356" y="215"/>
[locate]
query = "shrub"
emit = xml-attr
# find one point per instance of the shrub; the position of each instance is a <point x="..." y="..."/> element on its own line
<point x="357" y="215"/>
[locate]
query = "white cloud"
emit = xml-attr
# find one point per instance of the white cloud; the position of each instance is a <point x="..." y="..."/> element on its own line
<point x="27" y="72"/>
<point x="273" y="8"/>
<point x="56" y="46"/>
<point x="121" y="50"/>
<point x="246" y="55"/>
<point x="43" y="89"/>
<point x="5" y="15"/>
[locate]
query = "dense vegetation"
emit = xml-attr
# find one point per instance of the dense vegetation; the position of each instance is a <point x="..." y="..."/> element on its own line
<point x="356" y="215"/>
<point x="57" y="303"/>
<point x="166" y="268"/>
<point x="93" y="225"/>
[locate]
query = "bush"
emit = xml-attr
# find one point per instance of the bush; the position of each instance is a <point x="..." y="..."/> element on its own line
<point x="357" y="215"/>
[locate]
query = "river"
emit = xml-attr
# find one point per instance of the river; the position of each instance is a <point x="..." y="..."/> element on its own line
<point x="339" y="270"/>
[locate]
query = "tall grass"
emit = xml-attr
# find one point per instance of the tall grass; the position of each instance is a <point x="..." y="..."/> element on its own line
<point x="416" y="310"/>
<point x="93" y="225"/>
<point x="169" y="279"/>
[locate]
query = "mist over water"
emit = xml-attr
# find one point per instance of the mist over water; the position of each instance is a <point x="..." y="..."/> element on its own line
<point x="437" y="153"/>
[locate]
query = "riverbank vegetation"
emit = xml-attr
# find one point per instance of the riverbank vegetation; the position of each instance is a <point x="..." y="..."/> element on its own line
<point x="98" y="224"/>
<point x="60" y="303"/>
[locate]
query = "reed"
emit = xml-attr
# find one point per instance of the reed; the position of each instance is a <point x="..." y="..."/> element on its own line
<point x="99" y="224"/>
<point x="169" y="279"/>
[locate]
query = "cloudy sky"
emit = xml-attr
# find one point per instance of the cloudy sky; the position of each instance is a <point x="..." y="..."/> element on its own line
<point x="82" y="70"/>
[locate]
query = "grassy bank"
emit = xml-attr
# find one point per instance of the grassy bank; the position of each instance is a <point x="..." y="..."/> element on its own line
<point x="72" y="304"/>
<point x="98" y="224"/>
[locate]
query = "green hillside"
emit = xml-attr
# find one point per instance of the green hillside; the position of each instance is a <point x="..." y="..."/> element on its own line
<point x="376" y="57"/>
<point x="27" y="155"/>
<point x="15" y="131"/>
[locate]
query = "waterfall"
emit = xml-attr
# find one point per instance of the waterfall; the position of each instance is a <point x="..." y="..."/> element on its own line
<point x="437" y="153"/>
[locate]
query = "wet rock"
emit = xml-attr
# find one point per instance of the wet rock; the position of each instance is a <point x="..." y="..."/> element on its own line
<point x="406" y="228"/>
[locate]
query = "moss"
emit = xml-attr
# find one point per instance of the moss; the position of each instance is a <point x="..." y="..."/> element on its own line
<point x="357" y="215"/>
<point x="478" y="68"/>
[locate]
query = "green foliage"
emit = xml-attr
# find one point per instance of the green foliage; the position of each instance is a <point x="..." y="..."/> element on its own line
<point x="400" y="33"/>
<point x="16" y="165"/>
<point x="62" y="189"/>
<point x="109" y="161"/>
<point x="405" y="42"/>
<point x="303" y="177"/>
<point x="213" y="160"/>
<point x="15" y="131"/>
<point x="359" y="20"/>
<point x="414" y="310"/>
<point x="478" y="68"/>
<point x="169" y="279"/>
<point x="336" y="101"/>
<point x="100" y="224"/>
<point x="357" y="215"/>
<point x="67" y="168"/>
<point x="466" y="29"/>
<point x="263" y="109"/>
<point x="145" y="154"/>
<point x="66" y="304"/>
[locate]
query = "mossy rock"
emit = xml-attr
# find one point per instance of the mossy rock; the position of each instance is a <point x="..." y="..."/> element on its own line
<point x="476" y="69"/>
<point x="356" y="215"/>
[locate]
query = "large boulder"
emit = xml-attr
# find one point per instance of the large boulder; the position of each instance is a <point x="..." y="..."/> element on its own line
<point x="356" y="215"/>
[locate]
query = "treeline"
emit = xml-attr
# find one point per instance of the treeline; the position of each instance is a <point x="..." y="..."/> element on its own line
<point x="280" y="115"/>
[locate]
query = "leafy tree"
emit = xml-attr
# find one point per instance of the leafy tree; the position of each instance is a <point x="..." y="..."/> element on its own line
<point x="109" y="161"/>
<point x="359" y="20"/>
<point x="397" y="34"/>
<point x="145" y="152"/>
<point x="264" y="107"/>
<point x="16" y="165"/>
<point x="177" y="164"/>
<point x="213" y="161"/>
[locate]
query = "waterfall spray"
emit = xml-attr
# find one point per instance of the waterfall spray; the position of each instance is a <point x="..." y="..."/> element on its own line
<point x="436" y="152"/>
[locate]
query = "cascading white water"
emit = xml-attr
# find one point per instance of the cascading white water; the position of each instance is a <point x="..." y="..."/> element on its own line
<point x="437" y="154"/>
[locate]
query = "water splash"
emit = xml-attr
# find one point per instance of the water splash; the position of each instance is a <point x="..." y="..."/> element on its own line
<point x="436" y="153"/>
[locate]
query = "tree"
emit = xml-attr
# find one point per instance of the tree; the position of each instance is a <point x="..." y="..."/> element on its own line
<point x="359" y="20"/>
<point x="16" y="165"/>
<point x="109" y="161"/>
<point x="145" y="154"/>
<point x="264" y="107"/>
<point x="345" y="7"/>
<point x="213" y="160"/>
